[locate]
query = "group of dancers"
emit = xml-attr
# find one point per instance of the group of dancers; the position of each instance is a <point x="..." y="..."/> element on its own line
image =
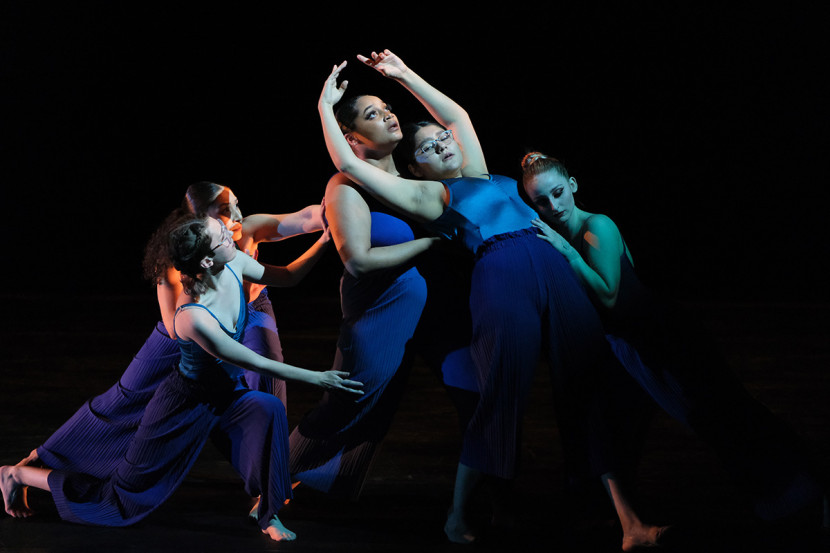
<point x="474" y="272"/>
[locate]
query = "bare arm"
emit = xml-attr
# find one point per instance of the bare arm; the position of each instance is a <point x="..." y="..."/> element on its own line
<point x="351" y="226"/>
<point x="263" y="227"/>
<point x="421" y="200"/>
<point x="596" y="262"/>
<point x="440" y="106"/>
<point x="197" y="325"/>
<point x="283" y="276"/>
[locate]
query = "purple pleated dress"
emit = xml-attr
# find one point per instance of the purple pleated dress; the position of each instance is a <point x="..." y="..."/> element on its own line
<point x="203" y="396"/>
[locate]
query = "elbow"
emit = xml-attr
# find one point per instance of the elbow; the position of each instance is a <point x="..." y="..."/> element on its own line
<point x="355" y="267"/>
<point x="608" y="300"/>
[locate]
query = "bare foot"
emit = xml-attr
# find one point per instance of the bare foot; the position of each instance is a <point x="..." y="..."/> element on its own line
<point x="644" y="536"/>
<point x="277" y="531"/>
<point x="31" y="459"/>
<point x="457" y="530"/>
<point x="14" y="493"/>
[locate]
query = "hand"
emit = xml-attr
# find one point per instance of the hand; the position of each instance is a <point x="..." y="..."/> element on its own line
<point x="554" y="239"/>
<point x="387" y="63"/>
<point x="324" y="222"/>
<point x="331" y="92"/>
<point x="335" y="380"/>
<point x="326" y="236"/>
<point x="30" y="460"/>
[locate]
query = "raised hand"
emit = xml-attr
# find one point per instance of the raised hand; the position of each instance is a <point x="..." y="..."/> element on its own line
<point x="387" y="63"/>
<point x="332" y="93"/>
<point x="336" y="380"/>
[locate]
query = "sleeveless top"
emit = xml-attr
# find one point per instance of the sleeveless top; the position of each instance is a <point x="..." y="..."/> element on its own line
<point x="480" y="208"/>
<point x="196" y="363"/>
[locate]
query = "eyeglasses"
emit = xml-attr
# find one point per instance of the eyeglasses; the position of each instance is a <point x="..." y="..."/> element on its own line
<point x="227" y="239"/>
<point x="428" y="147"/>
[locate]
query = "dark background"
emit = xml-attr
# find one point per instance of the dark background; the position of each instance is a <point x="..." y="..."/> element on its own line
<point x="701" y="131"/>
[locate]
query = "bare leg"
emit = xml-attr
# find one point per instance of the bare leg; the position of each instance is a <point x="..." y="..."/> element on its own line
<point x="456" y="528"/>
<point x="277" y="531"/>
<point x="636" y="534"/>
<point x="14" y="481"/>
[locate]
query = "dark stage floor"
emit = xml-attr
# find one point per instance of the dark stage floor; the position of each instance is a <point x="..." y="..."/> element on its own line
<point x="52" y="364"/>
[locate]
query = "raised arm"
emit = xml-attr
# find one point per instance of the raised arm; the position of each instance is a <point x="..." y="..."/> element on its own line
<point x="440" y="106"/>
<point x="595" y="259"/>
<point x="421" y="200"/>
<point x="351" y="227"/>
<point x="196" y="324"/>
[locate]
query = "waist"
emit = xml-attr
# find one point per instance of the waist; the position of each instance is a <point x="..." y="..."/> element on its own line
<point x="504" y="240"/>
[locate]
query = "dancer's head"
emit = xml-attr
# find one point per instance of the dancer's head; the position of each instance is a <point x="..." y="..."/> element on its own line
<point x="369" y="125"/>
<point x="199" y="244"/>
<point x="217" y="201"/>
<point x="549" y="187"/>
<point x="429" y="151"/>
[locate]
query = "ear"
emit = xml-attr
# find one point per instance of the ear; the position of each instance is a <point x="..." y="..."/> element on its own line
<point x="206" y="262"/>
<point x="351" y="139"/>
<point x="415" y="170"/>
<point x="574" y="185"/>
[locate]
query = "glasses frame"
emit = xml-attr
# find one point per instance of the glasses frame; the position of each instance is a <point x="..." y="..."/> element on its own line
<point x="427" y="147"/>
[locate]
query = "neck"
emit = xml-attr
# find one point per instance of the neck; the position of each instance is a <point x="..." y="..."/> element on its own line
<point x="383" y="161"/>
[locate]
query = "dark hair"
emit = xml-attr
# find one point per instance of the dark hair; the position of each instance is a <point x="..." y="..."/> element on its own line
<point x="189" y="243"/>
<point x="200" y="195"/>
<point x="347" y="112"/>
<point x="197" y="200"/>
<point x="535" y="163"/>
<point x="404" y="154"/>
<point x="157" y="251"/>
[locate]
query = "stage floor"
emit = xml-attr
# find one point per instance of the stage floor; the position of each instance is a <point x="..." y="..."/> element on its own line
<point x="59" y="352"/>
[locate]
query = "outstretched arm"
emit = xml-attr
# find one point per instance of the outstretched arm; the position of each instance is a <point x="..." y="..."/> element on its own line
<point x="421" y="200"/>
<point x="197" y="325"/>
<point x="263" y="227"/>
<point x="596" y="259"/>
<point x="283" y="276"/>
<point x="440" y="106"/>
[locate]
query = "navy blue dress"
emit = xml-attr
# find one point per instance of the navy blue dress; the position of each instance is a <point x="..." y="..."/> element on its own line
<point x="675" y="361"/>
<point x="205" y="395"/>
<point x="333" y="445"/>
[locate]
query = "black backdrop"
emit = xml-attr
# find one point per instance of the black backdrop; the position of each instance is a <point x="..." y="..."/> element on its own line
<point x="699" y="130"/>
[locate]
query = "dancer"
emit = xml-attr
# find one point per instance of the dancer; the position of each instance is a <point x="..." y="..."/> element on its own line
<point x="93" y="441"/>
<point x="261" y="334"/>
<point x="668" y="353"/>
<point x="382" y="296"/>
<point x="517" y="288"/>
<point x="206" y="394"/>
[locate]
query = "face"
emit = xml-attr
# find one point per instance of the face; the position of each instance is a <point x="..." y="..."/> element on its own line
<point x="437" y="154"/>
<point x="221" y="241"/>
<point x="552" y="196"/>
<point x="375" y="123"/>
<point x="225" y="208"/>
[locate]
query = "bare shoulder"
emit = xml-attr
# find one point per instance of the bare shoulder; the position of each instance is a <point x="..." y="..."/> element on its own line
<point x="601" y="224"/>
